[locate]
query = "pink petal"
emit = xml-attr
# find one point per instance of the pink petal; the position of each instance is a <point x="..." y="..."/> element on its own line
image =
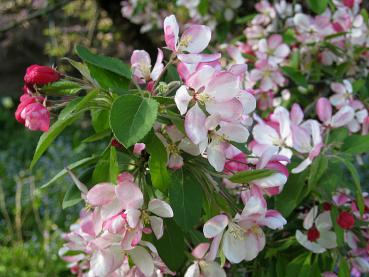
<point x="101" y="194"/>
<point x="182" y="99"/>
<point x="198" y="58"/>
<point x="324" y="109"/>
<point x="200" y="78"/>
<point x="273" y="220"/>
<point x="216" y="154"/>
<point x="274" y="41"/>
<point x="231" y="110"/>
<point x="142" y="259"/>
<point x="157" y="226"/>
<point x="158" y="67"/>
<point x="130" y="195"/>
<point x="215" y="226"/>
<point x="133" y="217"/>
<point x="196" y="38"/>
<point x="195" y="125"/>
<point x="171" y="31"/>
<point x="235" y="250"/>
<point x="200" y="250"/>
<point x="343" y="117"/>
<point x="223" y="86"/>
<point x="160" y="208"/>
<point x="297" y="114"/>
<point x="233" y="131"/>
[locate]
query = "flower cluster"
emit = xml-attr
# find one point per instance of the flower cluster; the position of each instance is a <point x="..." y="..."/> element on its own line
<point x="110" y="233"/>
<point x="321" y="237"/>
<point x="32" y="111"/>
<point x="218" y="138"/>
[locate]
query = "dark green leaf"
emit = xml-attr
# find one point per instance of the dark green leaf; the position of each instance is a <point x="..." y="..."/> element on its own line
<point x="108" y="80"/>
<point x="82" y="68"/>
<point x="171" y="247"/>
<point x="132" y="117"/>
<point x="75" y="165"/>
<point x="356" y="178"/>
<point x="295" y="75"/>
<point x="98" y="136"/>
<point x="356" y="144"/>
<point x="300" y="266"/>
<point x="318" y="168"/>
<point x="185" y="195"/>
<point x="108" y="63"/>
<point x="289" y="199"/>
<point x="157" y="162"/>
<point x="247" y="176"/>
<point x="318" y="6"/>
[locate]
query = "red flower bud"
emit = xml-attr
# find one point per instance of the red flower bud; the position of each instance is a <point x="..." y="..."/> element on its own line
<point x="313" y="234"/>
<point x="327" y="206"/>
<point x="345" y="220"/>
<point x="40" y="75"/>
<point x="349" y="3"/>
<point x="115" y="143"/>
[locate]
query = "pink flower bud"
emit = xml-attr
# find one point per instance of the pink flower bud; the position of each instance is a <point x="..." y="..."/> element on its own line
<point x="36" y="117"/>
<point x="349" y="3"/>
<point x="40" y="75"/>
<point x="324" y="109"/>
<point x="138" y="148"/>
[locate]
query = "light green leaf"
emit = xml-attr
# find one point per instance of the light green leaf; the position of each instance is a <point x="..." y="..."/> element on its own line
<point x="68" y="118"/>
<point x="72" y="197"/>
<point x="344" y="270"/>
<point x="247" y="176"/>
<point x="132" y="117"/>
<point x="61" y="87"/>
<point x="75" y="165"/>
<point x="113" y="165"/>
<point x="317" y="169"/>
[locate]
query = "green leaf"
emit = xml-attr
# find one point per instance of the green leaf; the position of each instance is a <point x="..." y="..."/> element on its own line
<point x="75" y="165"/>
<point x="295" y="75"/>
<point x="344" y="270"/>
<point x="68" y="118"/>
<point x="300" y="266"/>
<point x="98" y="136"/>
<point x="356" y="178"/>
<point x="185" y="195"/>
<point x="356" y="144"/>
<point x="203" y="7"/>
<point x="108" y="63"/>
<point x="247" y="176"/>
<point x="158" y="162"/>
<point x="131" y="118"/>
<point x="82" y="68"/>
<point x="171" y="247"/>
<point x="113" y="165"/>
<point x="61" y="87"/>
<point x="108" y="80"/>
<point x="289" y="198"/>
<point x="100" y="120"/>
<point x="317" y="169"/>
<point x="72" y="197"/>
<point x="318" y="6"/>
<point x="101" y="172"/>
